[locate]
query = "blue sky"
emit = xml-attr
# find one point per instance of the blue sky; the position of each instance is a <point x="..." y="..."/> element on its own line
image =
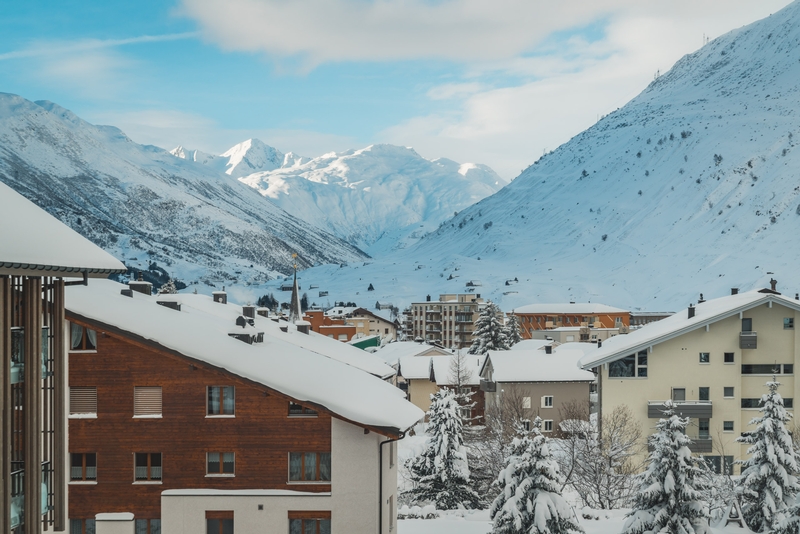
<point x="488" y="82"/>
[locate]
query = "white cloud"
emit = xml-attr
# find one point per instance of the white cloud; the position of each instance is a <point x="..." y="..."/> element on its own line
<point x="60" y="48"/>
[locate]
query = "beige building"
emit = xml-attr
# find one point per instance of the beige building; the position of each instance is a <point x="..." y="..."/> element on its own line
<point x="570" y="334"/>
<point x="449" y="321"/>
<point x="368" y="323"/>
<point x="541" y="382"/>
<point x="713" y="360"/>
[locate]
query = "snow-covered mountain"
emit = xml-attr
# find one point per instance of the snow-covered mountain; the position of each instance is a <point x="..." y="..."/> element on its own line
<point x="691" y="187"/>
<point x="378" y="198"/>
<point x="144" y="205"/>
<point x="243" y="159"/>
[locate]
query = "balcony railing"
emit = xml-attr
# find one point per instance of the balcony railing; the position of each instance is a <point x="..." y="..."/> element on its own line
<point x="488" y="386"/>
<point x="701" y="444"/>
<point x="696" y="409"/>
<point x="18" y="492"/>
<point x="748" y="340"/>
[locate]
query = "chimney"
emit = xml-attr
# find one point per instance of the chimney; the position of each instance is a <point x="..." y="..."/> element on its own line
<point x="303" y="327"/>
<point x="691" y="311"/>
<point x="548" y="349"/>
<point x="220" y="296"/>
<point x="428" y="298"/>
<point x="773" y="284"/>
<point x="599" y="343"/>
<point x="249" y="311"/>
<point x="797" y="296"/>
<point x="140" y="286"/>
<point x="128" y="292"/>
<point x="702" y="300"/>
<point x="172" y="304"/>
<point x="734" y="291"/>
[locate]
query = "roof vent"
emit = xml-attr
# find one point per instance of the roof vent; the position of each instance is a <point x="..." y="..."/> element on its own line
<point x="797" y="296"/>
<point x="128" y="292"/>
<point x="702" y="300"/>
<point x="599" y="343"/>
<point x="220" y="296"/>
<point x="140" y="286"/>
<point x="172" y="304"/>
<point x="548" y="349"/>
<point x="241" y="321"/>
<point x="284" y="328"/>
<point x="734" y="291"/>
<point x="691" y="311"/>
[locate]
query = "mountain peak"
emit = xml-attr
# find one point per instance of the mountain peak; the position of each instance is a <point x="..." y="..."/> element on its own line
<point x="252" y="156"/>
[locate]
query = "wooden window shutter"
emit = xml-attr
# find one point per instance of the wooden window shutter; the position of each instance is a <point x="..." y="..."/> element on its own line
<point x="146" y="401"/>
<point x="82" y="399"/>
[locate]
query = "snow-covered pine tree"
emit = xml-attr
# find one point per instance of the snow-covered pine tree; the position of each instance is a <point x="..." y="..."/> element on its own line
<point x="530" y="499"/>
<point x="489" y="333"/>
<point x="440" y="474"/>
<point x="513" y="334"/>
<point x="669" y="499"/>
<point x="168" y="288"/>
<point x="768" y="483"/>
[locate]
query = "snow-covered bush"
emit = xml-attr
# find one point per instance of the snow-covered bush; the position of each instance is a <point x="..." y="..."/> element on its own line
<point x="530" y="500"/>
<point x="489" y="333"/>
<point x="669" y="500"/>
<point x="441" y="474"/>
<point x="768" y="483"/>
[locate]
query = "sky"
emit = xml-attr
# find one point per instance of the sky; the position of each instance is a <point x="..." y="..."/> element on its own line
<point x="495" y="82"/>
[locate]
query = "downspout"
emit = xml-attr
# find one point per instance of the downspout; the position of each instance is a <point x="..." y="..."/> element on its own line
<point x="380" y="479"/>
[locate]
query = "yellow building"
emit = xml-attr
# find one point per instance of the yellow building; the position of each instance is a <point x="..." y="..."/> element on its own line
<point x="712" y="359"/>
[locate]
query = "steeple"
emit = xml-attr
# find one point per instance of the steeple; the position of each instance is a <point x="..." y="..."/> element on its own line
<point x="295" y="311"/>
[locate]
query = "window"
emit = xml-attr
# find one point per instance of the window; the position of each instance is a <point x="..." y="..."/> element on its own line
<point x="788" y="403"/>
<point x="727" y="426"/>
<point x="221" y="400"/>
<point x="727" y="392"/>
<point x="297" y="410"/>
<point x="788" y="369"/>
<point x="747" y="325"/>
<point x="705" y="357"/>
<point x="547" y="401"/>
<point x="147" y="466"/>
<point x="147" y="526"/>
<point x="312" y="522"/>
<point x="82" y="338"/>
<point x="547" y="425"/>
<point x="703" y="426"/>
<point x="219" y="522"/>
<point x="219" y="463"/>
<point x="465" y="412"/>
<point x="147" y="401"/>
<point x="526" y="424"/>
<point x="750" y="403"/>
<point x="629" y="366"/>
<point x="81" y="526"/>
<point x="526" y="403"/>
<point x="728" y="357"/>
<point x="704" y="394"/>
<point x="788" y="323"/>
<point x="342" y="337"/>
<point x="83" y="401"/>
<point x="309" y="466"/>
<point x="721" y="465"/>
<point x="679" y="394"/>
<point x="83" y="466"/>
<point x="761" y="369"/>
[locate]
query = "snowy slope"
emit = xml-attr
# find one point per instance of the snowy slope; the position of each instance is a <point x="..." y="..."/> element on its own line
<point x="377" y="198"/>
<point x="691" y="187"/>
<point x="144" y="205"/>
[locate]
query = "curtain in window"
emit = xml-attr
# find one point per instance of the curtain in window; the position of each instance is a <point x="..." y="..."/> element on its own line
<point x="77" y="335"/>
<point x="213" y="463"/>
<point x="295" y="465"/>
<point x="325" y="466"/>
<point x="295" y="526"/>
<point x="310" y="472"/>
<point x="227" y="462"/>
<point x="213" y="400"/>
<point x="228" y="400"/>
<point x="310" y="526"/>
<point x="92" y="341"/>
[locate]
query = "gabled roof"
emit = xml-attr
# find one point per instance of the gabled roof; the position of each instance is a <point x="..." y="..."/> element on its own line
<point x="537" y="366"/>
<point x="439" y="368"/>
<point x="706" y="313"/>
<point x="392" y="352"/>
<point x="287" y="368"/>
<point x="33" y="240"/>
<point x="583" y="308"/>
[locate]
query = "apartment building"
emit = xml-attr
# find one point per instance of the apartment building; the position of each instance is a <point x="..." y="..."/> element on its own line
<point x="189" y="415"/>
<point x="449" y="321"/>
<point x="712" y="360"/>
<point x="548" y="316"/>
<point x="39" y="257"/>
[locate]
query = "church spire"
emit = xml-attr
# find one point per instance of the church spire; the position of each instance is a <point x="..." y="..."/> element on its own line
<point x="295" y="311"/>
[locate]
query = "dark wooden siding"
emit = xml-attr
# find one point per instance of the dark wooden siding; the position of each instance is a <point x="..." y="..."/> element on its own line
<point x="261" y="434"/>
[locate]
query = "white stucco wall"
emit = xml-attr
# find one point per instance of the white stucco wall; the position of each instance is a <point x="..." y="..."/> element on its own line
<point x="114" y="523"/>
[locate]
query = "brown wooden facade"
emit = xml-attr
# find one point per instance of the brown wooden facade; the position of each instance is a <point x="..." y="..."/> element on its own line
<point x="529" y="322"/>
<point x="261" y="433"/>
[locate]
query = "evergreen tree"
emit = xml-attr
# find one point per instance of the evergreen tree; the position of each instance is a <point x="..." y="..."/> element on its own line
<point x="768" y="483"/>
<point x="489" y="333"/>
<point x="168" y="288"/>
<point x="304" y="302"/>
<point x="669" y="499"/>
<point x="513" y="334"/>
<point x="530" y="500"/>
<point x="440" y="474"/>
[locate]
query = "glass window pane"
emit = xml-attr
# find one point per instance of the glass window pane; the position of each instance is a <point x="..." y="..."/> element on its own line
<point x="642" y="357"/>
<point x="227" y="526"/>
<point x="155" y="459"/>
<point x="75" y="526"/>
<point x="678" y="394"/>
<point x="227" y="463"/>
<point x="76" y="336"/>
<point x="295" y="465"/>
<point x="212" y="526"/>
<point x="310" y="467"/>
<point x="229" y="401"/>
<point x="623" y="367"/>
<point x="140" y="526"/>
<point x="324" y="526"/>
<point x="788" y="403"/>
<point x="704" y="394"/>
<point x="90" y="526"/>
<point x="212" y="459"/>
<point x="788" y="369"/>
<point x="642" y="372"/>
<point x="309" y="526"/>
<point x="295" y="526"/>
<point x="213" y="400"/>
<point x="325" y="466"/>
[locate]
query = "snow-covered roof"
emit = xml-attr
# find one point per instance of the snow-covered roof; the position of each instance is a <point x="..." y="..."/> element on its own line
<point x="678" y="324"/>
<point x="531" y="344"/>
<point x="538" y="366"/>
<point x="392" y="352"/>
<point x="419" y="368"/>
<point x="278" y="363"/>
<point x="414" y="367"/>
<point x="583" y="308"/>
<point x="33" y="240"/>
<point x="340" y="311"/>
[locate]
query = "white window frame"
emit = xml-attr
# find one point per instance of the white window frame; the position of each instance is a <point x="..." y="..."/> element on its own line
<point x="547" y="401"/>
<point x="547" y="425"/>
<point x="526" y="403"/>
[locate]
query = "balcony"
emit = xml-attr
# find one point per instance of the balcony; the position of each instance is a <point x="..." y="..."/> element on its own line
<point x="488" y="386"/>
<point x="748" y="340"/>
<point x="701" y="444"/>
<point x="18" y="492"/>
<point x="694" y="409"/>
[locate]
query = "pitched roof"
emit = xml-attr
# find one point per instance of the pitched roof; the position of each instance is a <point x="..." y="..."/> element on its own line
<point x="33" y="240"/>
<point x="583" y="308"/>
<point x="392" y="352"/>
<point x="420" y="368"/>
<point x="678" y="324"/>
<point x="538" y="366"/>
<point x="531" y="344"/>
<point x="283" y="366"/>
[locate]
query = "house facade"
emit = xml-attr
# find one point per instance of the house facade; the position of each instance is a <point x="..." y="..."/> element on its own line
<point x="712" y="360"/>
<point x="449" y="321"/>
<point x="548" y="316"/>
<point x="368" y="323"/>
<point x="39" y="257"/>
<point x="186" y="428"/>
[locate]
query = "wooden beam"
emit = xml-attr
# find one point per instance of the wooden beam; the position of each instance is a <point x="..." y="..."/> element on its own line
<point x="58" y="329"/>
<point x="32" y="322"/>
<point x="5" y="400"/>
